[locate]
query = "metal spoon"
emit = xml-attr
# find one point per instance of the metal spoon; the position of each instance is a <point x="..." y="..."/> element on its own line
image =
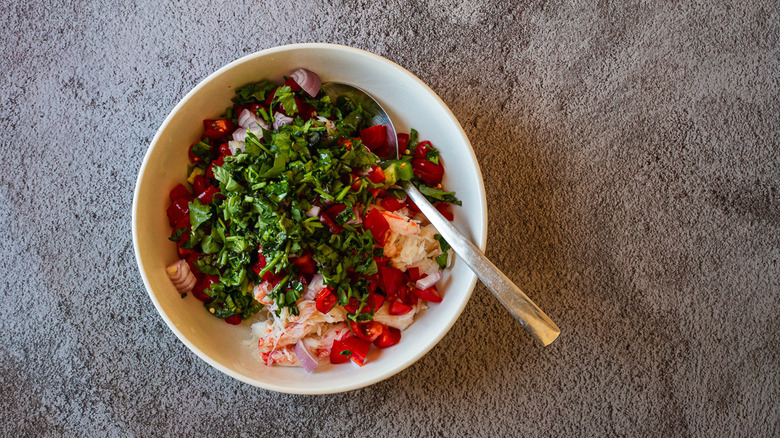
<point x="528" y="314"/>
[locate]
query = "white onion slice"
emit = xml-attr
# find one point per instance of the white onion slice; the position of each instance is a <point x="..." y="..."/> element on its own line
<point x="235" y="146"/>
<point x="308" y="362"/>
<point x="429" y="280"/>
<point x="316" y="285"/>
<point x="181" y="276"/>
<point x="307" y="80"/>
<point x="281" y="120"/>
<point x="314" y="211"/>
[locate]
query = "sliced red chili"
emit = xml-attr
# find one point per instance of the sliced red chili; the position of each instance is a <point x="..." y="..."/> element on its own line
<point x="208" y="195"/>
<point x="389" y="337"/>
<point x="325" y="300"/>
<point x="431" y="294"/>
<point x="216" y="129"/>
<point x="427" y="171"/>
<point x="367" y="330"/>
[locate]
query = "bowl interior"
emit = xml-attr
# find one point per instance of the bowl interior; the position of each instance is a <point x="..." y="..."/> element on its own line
<point x="411" y="104"/>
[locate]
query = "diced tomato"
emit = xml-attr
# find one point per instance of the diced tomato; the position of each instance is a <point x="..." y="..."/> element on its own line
<point x="178" y="210"/>
<point x="180" y="192"/>
<point x="199" y="184"/>
<point x="305" y="111"/>
<point x="352" y="306"/>
<point x="431" y="294"/>
<point x="393" y="281"/>
<point x="325" y="300"/>
<point x="378" y="225"/>
<point x="413" y="273"/>
<point x="412" y="206"/>
<point x="391" y="203"/>
<point x="367" y="331"/>
<point x="378" y="192"/>
<point x="335" y="210"/>
<point x="352" y="348"/>
<point x="410" y="299"/>
<point x="376" y="175"/>
<point x="234" y="320"/>
<point x="444" y="209"/>
<point x="422" y="149"/>
<point x="375" y="301"/>
<point x="259" y="264"/>
<point x="389" y="337"/>
<point x="325" y="219"/>
<point x="224" y="149"/>
<point x="216" y="129"/>
<point x="427" y="171"/>
<point x="214" y="163"/>
<point x="207" y="196"/>
<point x="403" y="141"/>
<point x="292" y="84"/>
<point x="205" y="283"/>
<point x="374" y="137"/>
<point x="397" y="308"/>
<point x="305" y="263"/>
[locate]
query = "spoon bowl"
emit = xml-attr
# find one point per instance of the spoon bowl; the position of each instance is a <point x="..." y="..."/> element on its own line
<point x="525" y="311"/>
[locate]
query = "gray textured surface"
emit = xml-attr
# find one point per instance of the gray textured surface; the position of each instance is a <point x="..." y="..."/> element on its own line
<point x="630" y="153"/>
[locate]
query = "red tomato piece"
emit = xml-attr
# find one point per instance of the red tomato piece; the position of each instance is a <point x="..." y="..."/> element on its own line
<point x="352" y="348"/>
<point x="431" y="294"/>
<point x="208" y="195"/>
<point x="325" y="300"/>
<point x="199" y="184"/>
<point x="399" y="308"/>
<point x="259" y="264"/>
<point x="335" y="210"/>
<point x="367" y="331"/>
<point x="377" y="224"/>
<point x="234" y="320"/>
<point x="376" y="175"/>
<point x="391" y="203"/>
<point x="429" y="172"/>
<point x="374" y="137"/>
<point x="389" y="337"/>
<point x="199" y="291"/>
<point x="393" y="281"/>
<point x="403" y="141"/>
<point x="180" y="192"/>
<point x="214" y="163"/>
<point x="224" y="149"/>
<point x="413" y="273"/>
<point x="444" y="209"/>
<point x="216" y="129"/>
<point x="292" y="84"/>
<point x="412" y="206"/>
<point x="305" y="263"/>
<point x="375" y="301"/>
<point x="178" y="210"/>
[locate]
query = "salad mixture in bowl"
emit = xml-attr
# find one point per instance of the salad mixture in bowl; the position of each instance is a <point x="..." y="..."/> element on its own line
<point x="283" y="197"/>
<point x="291" y="219"/>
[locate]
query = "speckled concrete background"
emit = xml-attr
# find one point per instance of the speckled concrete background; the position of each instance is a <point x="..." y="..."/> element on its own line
<point x="630" y="153"/>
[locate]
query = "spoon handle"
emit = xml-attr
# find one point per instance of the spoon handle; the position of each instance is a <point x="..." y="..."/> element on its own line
<point x="528" y="314"/>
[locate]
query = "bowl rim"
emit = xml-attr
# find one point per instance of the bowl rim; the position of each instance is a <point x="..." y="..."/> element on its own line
<point x="480" y="240"/>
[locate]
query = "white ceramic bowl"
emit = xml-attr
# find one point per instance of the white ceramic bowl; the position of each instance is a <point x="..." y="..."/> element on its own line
<point x="411" y="104"/>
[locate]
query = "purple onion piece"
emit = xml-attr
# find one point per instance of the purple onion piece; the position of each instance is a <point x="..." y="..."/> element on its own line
<point x="307" y="360"/>
<point x="308" y="81"/>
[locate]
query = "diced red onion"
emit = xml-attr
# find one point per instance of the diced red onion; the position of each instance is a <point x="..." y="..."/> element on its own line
<point x="307" y="80"/>
<point x="314" y="211"/>
<point x="308" y="361"/>
<point x="281" y="120"/>
<point x="429" y="280"/>
<point x="239" y="134"/>
<point x="357" y="219"/>
<point x="181" y="276"/>
<point x="235" y="146"/>
<point x="316" y="285"/>
<point x="249" y="120"/>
